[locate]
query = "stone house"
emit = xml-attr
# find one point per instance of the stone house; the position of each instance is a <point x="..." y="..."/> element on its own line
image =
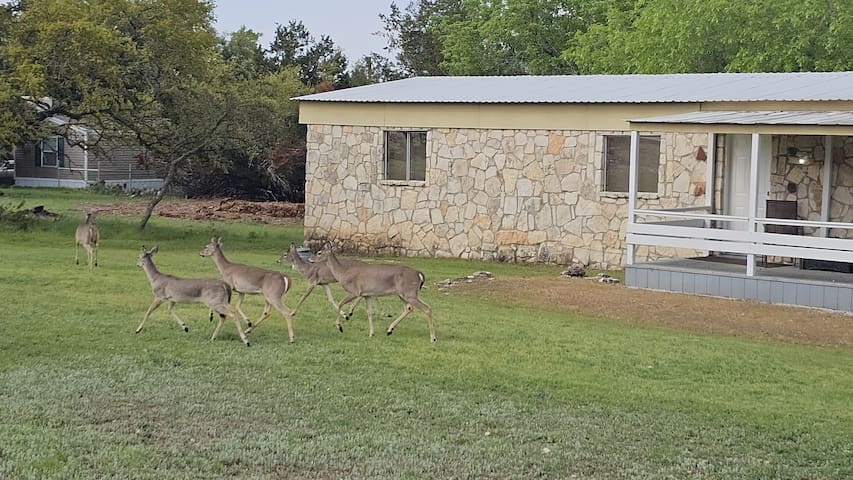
<point x="556" y="169"/>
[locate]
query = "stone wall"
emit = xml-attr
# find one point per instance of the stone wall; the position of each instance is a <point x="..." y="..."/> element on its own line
<point x="508" y="195"/>
<point x="806" y="183"/>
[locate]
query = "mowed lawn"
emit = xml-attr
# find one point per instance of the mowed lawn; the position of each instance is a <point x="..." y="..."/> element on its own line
<point x="504" y="392"/>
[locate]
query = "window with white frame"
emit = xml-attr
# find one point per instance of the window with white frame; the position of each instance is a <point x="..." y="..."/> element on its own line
<point x="617" y="163"/>
<point x="52" y="152"/>
<point x="405" y="155"/>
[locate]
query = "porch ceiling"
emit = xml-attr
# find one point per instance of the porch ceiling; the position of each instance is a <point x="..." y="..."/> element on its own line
<point x="784" y="122"/>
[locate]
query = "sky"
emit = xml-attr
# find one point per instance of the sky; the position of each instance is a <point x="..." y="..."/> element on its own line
<point x="349" y="23"/>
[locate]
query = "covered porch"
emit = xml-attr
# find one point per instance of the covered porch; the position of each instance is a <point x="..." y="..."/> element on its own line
<point x="777" y="220"/>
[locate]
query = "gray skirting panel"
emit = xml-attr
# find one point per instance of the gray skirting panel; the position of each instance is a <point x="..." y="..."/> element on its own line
<point x="766" y="289"/>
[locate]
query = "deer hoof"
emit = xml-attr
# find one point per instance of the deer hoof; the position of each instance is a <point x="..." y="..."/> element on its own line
<point x="186" y="329"/>
<point x="248" y="344"/>
<point x="138" y="330"/>
<point x="390" y="332"/>
<point x="249" y="324"/>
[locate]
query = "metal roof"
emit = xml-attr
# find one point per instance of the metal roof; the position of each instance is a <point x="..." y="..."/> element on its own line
<point x="674" y="88"/>
<point x="755" y="118"/>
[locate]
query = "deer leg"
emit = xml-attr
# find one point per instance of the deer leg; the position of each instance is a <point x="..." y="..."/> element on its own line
<point x="406" y="310"/>
<point x="156" y="303"/>
<point x="240" y="330"/>
<point x="218" y="327"/>
<point x="264" y="316"/>
<point x="331" y="300"/>
<point x="345" y="301"/>
<point x="348" y="315"/>
<point x="410" y="303"/>
<point x="428" y="311"/>
<point x="226" y="311"/>
<point x="210" y="314"/>
<point x="95" y="254"/>
<point x="240" y="296"/>
<point x="307" y="292"/>
<point x="88" y="255"/>
<point x="76" y="253"/>
<point x="368" y="301"/>
<point x="180" y="322"/>
<point x="277" y="303"/>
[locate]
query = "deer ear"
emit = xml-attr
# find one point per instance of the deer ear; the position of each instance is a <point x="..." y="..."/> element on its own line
<point x="154" y="251"/>
<point x="142" y="250"/>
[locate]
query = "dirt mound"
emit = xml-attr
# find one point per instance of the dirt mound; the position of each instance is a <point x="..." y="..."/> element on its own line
<point x="216" y="209"/>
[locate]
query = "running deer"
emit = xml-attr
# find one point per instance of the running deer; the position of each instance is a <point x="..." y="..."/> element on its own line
<point x="245" y="279"/>
<point x="87" y="235"/>
<point x="316" y="273"/>
<point x="213" y="293"/>
<point x="374" y="280"/>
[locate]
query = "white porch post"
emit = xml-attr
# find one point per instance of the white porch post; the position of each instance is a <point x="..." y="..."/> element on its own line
<point x="710" y="173"/>
<point x="86" y="158"/>
<point x="826" y="183"/>
<point x="753" y="200"/>
<point x="633" y="168"/>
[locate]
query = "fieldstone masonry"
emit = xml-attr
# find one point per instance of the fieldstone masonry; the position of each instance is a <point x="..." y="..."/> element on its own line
<point x="808" y="185"/>
<point x="508" y="195"/>
<point x="525" y="195"/>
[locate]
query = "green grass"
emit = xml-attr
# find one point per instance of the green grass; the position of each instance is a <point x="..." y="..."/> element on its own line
<point x="504" y="393"/>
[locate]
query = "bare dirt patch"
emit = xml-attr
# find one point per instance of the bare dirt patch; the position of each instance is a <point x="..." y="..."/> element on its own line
<point x="215" y="209"/>
<point x="704" y="315"/>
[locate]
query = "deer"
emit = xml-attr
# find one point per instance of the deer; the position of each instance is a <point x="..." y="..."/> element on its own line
<point x="365" y="280"/>
<point x="87" y="235"/>
<point x="246" y="279"/>
<point x="213" y="293"/>
<point x="316" y="273"/>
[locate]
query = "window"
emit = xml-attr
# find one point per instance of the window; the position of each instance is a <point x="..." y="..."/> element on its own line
<point x="53" y="152"/>
<point x="405" y="155"/>
<point x="617" y="163"/>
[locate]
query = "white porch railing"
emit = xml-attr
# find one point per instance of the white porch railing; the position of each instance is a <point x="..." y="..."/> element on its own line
<point x="698" y="236"/>
<point x="692" y="228"/>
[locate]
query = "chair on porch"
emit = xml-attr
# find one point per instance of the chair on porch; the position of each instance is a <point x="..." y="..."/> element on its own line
<point x="784" y="209"/>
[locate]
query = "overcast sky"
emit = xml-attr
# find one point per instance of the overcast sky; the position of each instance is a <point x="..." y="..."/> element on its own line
<point x="350" y="23"/>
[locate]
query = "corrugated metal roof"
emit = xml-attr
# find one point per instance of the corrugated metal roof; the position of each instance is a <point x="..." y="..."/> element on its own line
<point x="755" y="118"/>
<point x="676" y="88"/>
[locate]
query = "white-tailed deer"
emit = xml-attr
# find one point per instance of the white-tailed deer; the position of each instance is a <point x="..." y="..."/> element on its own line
<point x="246" y="279"/>
<point x="213" y="293"/>
<point x="316" y="273"/>
<point x="374" y="280"/>
<point x="87" y="235"/>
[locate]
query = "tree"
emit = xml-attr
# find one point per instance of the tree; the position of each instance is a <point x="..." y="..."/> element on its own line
<point x="318" y="61"/>
<point x="373" y="68"/>
<point x="413" y="34"/>
<point x="513" y="37"/>
<point x="672" y="36"/>
<point x="146" y="70"/>
<point x="264" y="148"/>
<point x="242" y="51"/>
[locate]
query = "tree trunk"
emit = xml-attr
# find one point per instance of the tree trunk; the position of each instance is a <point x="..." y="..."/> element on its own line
<point x="170" y="175"/>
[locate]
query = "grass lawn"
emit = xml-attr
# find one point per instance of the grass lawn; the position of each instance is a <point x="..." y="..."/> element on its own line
<point x="504" y="393"/>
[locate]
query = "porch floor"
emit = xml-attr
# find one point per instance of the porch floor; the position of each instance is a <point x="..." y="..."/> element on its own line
<point x="726" y="277"/>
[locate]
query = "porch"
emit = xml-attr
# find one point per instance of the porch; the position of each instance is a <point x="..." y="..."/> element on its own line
<point x="733" y="234"/>
<point x="725" y="276"/>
